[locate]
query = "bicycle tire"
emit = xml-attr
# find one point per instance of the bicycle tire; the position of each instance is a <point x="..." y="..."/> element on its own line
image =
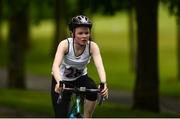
<point x="78" y="115"/>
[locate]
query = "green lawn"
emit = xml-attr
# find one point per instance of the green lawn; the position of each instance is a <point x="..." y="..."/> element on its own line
<point x="111" y="34"/>
<point x="40" y="103"/>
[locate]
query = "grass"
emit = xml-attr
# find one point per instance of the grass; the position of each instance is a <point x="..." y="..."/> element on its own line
<point x="40" y="103"/>
<point x="125" y="112"/>
<point x="31" y="101"/>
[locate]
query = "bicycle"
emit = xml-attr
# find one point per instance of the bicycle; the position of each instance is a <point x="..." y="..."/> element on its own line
<point x="76" y="108"/>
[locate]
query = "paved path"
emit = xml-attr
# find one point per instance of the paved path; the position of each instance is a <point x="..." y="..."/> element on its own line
<point x="167" y="104"/>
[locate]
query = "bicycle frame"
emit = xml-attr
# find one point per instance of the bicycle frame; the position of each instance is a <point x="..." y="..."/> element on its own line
<point x="76" y="107"/>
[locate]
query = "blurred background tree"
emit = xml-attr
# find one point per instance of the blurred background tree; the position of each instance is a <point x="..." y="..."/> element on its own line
<point x="146" y="90"/>
<point x="60" y="11"/>
<point x="18" y="42"/>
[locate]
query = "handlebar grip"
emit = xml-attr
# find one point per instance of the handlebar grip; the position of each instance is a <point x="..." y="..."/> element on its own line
<point x="60" y="83"/>
<point x="60" y="96"/>
<point x="101" y="86"/>
<point x="101" y="100"/>
<point x="59" y="99"/>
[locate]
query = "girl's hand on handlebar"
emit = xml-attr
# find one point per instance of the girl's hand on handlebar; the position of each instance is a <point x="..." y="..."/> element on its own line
<point x="58" y="87"/>
<point x="104" y="90"/>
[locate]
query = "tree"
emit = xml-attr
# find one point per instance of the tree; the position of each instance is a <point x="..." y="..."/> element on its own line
<point x="60" y="23"/>
<point x="146" y="91"/>
<point x="18" y="34"/>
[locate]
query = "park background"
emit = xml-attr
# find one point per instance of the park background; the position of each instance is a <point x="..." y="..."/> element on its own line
<point x="31" y="30"/>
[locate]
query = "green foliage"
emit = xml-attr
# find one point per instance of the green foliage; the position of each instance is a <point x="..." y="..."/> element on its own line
<point x="12" y="7"/>
<point x="45" y="9"/>
<point x="41" y="9"/>
<point x="110" y="7"/>
<point x="173" y="6"/>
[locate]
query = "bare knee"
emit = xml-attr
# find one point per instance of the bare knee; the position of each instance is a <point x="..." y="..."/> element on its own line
<point x="87" y="115"/>
<point x="89" y="107"/>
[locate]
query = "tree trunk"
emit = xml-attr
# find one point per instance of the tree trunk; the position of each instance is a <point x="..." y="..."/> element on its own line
<point x="60" y="24"/>
<point x="146" y="92"/>
<point x="18" y="34"/>
<point x="82" y="4"/>
<point x="178" y="46"/>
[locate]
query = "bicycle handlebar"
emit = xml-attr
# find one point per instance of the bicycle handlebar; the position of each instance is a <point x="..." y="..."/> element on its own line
<point x="81" y="89"/>
<point x="77" y="90"/>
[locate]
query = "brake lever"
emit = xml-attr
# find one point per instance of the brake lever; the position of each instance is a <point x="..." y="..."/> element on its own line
<point x="101" y="100"/>
<point x="101" y="97"/>
<point x="60" y="94"/>
<point x="59" y="98"/>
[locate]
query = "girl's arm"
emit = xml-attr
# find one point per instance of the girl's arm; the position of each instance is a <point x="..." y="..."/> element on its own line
<point x="61" y="50"/>
<point x="98" y="61"/>
<point x="100" y="68"/>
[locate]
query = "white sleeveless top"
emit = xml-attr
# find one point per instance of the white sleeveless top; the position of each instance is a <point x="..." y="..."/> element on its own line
<point x="73" y="67"/>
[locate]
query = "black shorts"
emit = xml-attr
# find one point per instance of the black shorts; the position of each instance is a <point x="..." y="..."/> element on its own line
<point x="62" y="109"/>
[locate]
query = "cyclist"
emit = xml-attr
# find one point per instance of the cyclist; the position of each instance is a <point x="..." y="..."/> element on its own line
<point x="71" y="58"/>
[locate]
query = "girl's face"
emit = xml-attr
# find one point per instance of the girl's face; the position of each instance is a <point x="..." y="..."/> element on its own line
<point x="82" y="35"/>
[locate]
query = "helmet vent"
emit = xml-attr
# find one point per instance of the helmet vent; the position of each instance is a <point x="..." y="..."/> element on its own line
<point x="79" y="21"/>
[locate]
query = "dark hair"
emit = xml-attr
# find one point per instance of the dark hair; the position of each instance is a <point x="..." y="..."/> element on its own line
<point x="79" y="20"/>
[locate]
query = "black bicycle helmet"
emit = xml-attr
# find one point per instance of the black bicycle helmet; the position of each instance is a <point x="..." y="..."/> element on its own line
<point x="79" y="20"/>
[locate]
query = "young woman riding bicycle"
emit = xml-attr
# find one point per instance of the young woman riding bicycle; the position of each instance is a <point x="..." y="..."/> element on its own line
<point x="70" y="64"/>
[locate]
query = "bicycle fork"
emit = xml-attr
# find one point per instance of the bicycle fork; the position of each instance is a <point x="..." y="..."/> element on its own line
<point x="78" y="105"/>
<point x="76" y="112"/>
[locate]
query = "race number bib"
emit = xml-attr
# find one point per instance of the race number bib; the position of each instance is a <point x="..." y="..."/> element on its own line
<point x="72" y="72"/>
